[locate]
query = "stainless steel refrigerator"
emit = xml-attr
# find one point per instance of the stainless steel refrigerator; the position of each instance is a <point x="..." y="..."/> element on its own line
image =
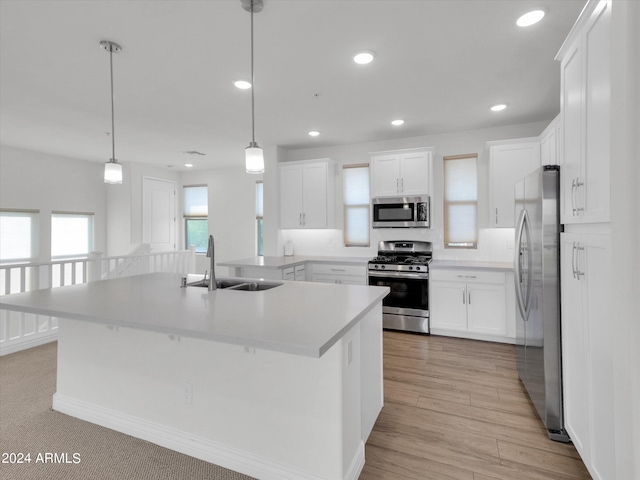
<point x="537" y="285"/>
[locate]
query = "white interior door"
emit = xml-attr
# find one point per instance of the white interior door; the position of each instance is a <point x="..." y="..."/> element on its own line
<point x="159" y="214"/>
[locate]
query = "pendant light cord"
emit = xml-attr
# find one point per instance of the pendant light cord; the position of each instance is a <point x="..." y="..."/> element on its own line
<point x="253" y="121"/>
<point x="113" y="128"/>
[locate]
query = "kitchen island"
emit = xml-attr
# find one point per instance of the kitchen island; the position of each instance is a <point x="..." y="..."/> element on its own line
<point x="277" y="384"/>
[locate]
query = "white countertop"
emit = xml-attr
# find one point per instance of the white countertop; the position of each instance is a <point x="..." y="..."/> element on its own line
<point x="285" y="262"/>
<point x="470" y="264"/>
<point x="301" y="318"/>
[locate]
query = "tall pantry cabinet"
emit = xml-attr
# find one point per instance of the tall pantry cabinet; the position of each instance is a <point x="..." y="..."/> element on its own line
<point x="586" y="242"/>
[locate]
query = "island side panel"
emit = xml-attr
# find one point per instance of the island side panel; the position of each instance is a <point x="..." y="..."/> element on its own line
<point x="371" y="369"/>
<point x="263" y="413"/>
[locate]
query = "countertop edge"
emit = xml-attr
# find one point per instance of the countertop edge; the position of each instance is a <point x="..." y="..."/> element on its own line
<point x="471" y="265"/>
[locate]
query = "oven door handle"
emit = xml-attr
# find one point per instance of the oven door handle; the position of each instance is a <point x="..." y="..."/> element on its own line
<point x="417" y="276"/>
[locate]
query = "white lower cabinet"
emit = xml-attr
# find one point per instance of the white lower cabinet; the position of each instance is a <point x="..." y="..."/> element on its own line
<point x="468" y="303"/>
<point x="296" y="273"/>
<point x="339" y="273"/>
<point x="587" y="350"/>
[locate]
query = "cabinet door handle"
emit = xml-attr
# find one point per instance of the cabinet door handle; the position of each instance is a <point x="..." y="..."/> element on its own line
<point x="469" y="295"/>
<point x="496" y="216"/>
<point x="578" y="250"/>
<point x="464" y="296"/>
<point x="304" y="218"/>
<point x="402" y="185"/>
<point x="300" y="219"/>
<point x="573" y="199"/>
<point x="397" y="185"/>
<point x="338" y="270"/>
<point x="578" y="184"/>
<point x="573" y="260"/>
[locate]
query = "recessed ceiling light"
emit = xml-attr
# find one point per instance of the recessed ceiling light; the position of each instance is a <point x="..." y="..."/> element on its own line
<point x="530" y="18"/>
<point x="499" y="107"/>
<point x="363" y="57"/>
<point x="188" y="165"/>
<point x="397" y="122"/>
<point x="314" y="133"/>
<point x="242" y="84"/>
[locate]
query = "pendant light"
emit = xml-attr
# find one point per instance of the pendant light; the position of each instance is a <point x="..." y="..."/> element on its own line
<point x="112" y="169"/>
<point x="254" y="156"/>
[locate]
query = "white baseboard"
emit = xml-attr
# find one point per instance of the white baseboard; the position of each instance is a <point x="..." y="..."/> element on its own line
<point x="192" y="445"/>
<point x="472" y="335"/>
<point x="24" y="343"/>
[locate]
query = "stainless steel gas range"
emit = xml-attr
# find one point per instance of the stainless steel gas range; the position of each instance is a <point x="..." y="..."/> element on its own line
<point x="403" y="266"/>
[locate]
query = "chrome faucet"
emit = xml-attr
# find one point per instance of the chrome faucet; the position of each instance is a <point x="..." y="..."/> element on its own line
<point x="211" y="255"/>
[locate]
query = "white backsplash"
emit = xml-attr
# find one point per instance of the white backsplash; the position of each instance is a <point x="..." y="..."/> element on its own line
<point x="495" y="244"/>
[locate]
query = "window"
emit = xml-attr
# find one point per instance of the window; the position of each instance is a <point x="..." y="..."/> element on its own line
<point x="71" y="234"/>
<point x="461" y="201"/>
<point x="196" y="223"/>
<point x="356" y="205"/>
<point x="259" y="215"/>
<point x="18" y="235"/>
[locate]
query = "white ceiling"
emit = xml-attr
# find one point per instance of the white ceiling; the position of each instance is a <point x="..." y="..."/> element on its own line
<point x="439" y="65"/>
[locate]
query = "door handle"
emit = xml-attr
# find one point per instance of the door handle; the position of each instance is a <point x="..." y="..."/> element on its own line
<point x="578" y="272"/>
<point x="573" y="260"/>
<point x="573" y="197"/>
<point x="464" y="298"/>
<point x="496" y="216"/>
<point x="578" y="184"/>
<point x="469" y="295"/>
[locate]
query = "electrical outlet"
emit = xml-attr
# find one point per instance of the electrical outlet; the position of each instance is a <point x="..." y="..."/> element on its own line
<point x="187" y="393"/>
<point x="349" y="352"/>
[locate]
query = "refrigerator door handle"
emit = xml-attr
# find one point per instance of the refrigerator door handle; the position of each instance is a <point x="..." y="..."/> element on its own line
<point x="524" y="302"/>
<point x="529" y="298"/>
<point x="517" y="263"/>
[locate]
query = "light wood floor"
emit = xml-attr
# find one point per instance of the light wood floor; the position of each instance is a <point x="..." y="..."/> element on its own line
<point x="455" y="409"/>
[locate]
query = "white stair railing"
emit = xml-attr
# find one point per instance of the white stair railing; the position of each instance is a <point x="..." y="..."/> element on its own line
<point x="19" y="330"/>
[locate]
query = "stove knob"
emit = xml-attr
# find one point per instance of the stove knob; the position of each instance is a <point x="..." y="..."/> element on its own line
<point x="382" y="267"/>
<point x="417" y="268"/>
<point x="410" y="268"/>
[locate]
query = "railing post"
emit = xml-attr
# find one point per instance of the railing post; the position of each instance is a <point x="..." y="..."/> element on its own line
<point x="96" y="266"/>
<point x="191" y="263"/>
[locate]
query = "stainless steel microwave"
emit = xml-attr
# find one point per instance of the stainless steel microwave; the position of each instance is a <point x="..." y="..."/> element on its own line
<point x="400" y="212"/>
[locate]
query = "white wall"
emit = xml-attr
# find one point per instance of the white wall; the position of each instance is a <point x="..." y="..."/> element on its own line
<point x="124" y="212"/>
<point x="44" y="182"/>
<point x="232" y="213"/>
<point x="494" y="244"/>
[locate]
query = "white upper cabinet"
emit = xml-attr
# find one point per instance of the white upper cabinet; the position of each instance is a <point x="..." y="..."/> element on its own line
<point x="401" y="173"/>
<point x="550" y="153"/>
<point x="509" y="162"/>
<point x="585" y="103"/>
<point x="307" y="194"/>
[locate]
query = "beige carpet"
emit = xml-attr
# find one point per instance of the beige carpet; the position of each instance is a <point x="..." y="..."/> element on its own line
<point x="28" y="425"/>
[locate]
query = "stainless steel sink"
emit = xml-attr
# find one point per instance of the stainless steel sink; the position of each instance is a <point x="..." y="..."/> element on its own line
<point x="237" y="284"/>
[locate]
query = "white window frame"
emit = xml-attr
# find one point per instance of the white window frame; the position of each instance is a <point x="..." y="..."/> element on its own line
<point x="472" y="241"/>
<point x="89" y="216"/>
<point x="33" y="240"/>
<point x="364" y="203"/>
<point x="188" y="216"/>
<point x="259" y="217"/>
